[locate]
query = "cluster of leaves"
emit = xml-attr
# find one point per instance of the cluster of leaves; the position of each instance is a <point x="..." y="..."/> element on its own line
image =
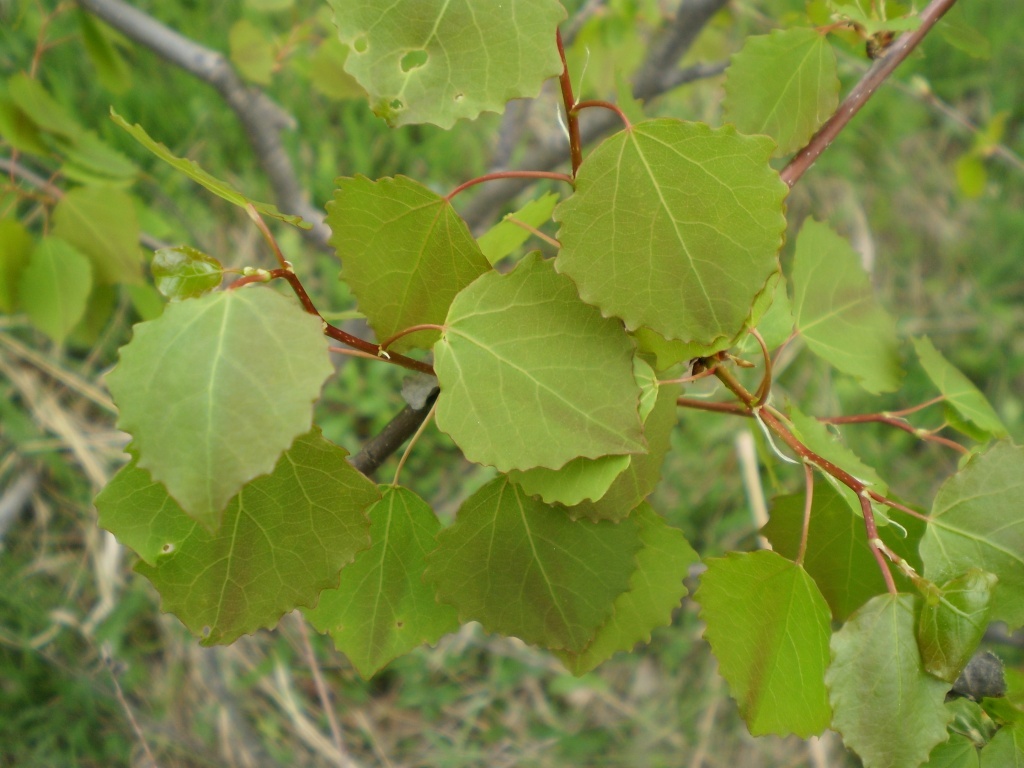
<point x="566" y="375"/>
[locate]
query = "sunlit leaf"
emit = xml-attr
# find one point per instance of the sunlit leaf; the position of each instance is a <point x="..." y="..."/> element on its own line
<point x="531" y="376"/>
<point x="522" y="568"/>
<point x="837" y="313"/>
<point x="976" y="522"/>
<point x="769" y="628"/>
<point x="382" y="608"/>
<point x="655" y="589"/>
<point x="100" y="222"/>
<point x="957" y="389"/>
<point x="887" y="708"/>
<point x="285" y="537"/>
<point x="506" y="236"/>
<point x="674" y="226"/>
<point x="191" y="169"/>
<point x="951" y="625"/>
<point x="405" y="253"/>
<point x="436" y="61"/>
<point x="184" y="272"/>
<point x="53" y="287"/>
<point x="216" y="388"/>
<point x="783" y="84"/>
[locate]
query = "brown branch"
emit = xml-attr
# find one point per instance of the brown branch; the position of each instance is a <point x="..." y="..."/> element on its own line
<point x="863" y="91"/>
<point x="377" y="450"/>
<point x="263" y="120"/>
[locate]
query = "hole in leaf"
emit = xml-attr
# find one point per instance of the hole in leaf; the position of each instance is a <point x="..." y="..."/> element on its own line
<point x="397" y="104"/>
<point x="206" y="631"/>
<point x="414" y="60"/>
<point x="361" y="44"/>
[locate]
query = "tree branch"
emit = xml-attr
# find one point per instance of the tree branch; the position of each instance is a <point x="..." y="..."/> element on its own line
<point x="263" y="120"/>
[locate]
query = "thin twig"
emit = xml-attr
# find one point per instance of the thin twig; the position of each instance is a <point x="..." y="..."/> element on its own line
<point x="322" y="692"/>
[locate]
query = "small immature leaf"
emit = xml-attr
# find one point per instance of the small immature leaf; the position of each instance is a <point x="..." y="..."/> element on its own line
<point x="674" y="226"/>
<point x="185" y="273"/>
<point x="531" y="376"/>
<point x="837" y="313"/>
<point x="15" y="251"/>
<point x="191" y="169"/>
<point x="285" y="537"/>
<point x="976" y="522"/>
<point x="960" y="393"/>
<point x="888" y="710"/>
<point x="54" y="286"/>
<point x="522" y="568"/>
<point x="769" y="628"/>
<point x="951" y="627"/>
<point x="655" y="589"/>
<point x="100" y="222"/>
<point x="382" y="608"/>
<point x="505" y="236"/>
<point x="783" y="84"/>
<point x="405" y="253"/>
<point x="216" y="388"/>
<point x="436" y="61"/>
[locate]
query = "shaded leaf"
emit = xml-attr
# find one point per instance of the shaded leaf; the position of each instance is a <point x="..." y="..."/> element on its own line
<point x="436" y="61"/>
<point x="957" y="389"/>
<point x="111" y="69"/>
<point x="769" y="628"/>
<point x="1006" y="750"/>
<point x="15" y="251"/>
<point x="783" y="84"/>
<point x="216" y="388"/>
<point x="505" y="236"/>
<point x="674" y="226"/>
<point x="405" y="253"/>
<point x="655" y="590"/>
<point x="952" y="624"/>
<point x="888" y="710"/>
<point x="100" y="222"/>
<point x="191" y="169"/>
<point x="837" y="313"/>
<point x="327" y="72"/>
<point x="531" y="376"/>
<point x="976" y="522"/>
<point x="523" y="568"/>
<point x="46" y="112"/>
<point x="958" y="752"/>
<point x="252" y="52"/>
<point x="54" y="286"/>
<point x="382" y="608"/>
<point x="185" y="273"/>
<point x="285" y="537"/>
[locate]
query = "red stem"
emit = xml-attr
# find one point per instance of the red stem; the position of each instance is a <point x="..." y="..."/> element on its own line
<point x="573" y="126"/>
<point x="509" y="175"/>
<point x="604" y="105"/>
<point x="863" y="91"/>
<point x="898" y="423"/>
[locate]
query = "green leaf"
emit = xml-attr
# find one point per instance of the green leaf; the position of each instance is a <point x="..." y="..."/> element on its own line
<point x="436" y="61"/>
<point x="783" y="84"/>
<point x="18" y="129"/>
<point x="588" y="479"/>
<point x="958" y="390"/>
<point x="644" y="471"/>
<point x="15" y="251"/>
<point x="522" y="568"/>
<point x="191" y="169"/>
<point x="769" y="627"/>
<point x="405" y="253"/>
<point x="505" y="237"/>
<point x="952" y="623"/>
<point x="54" y="286"/>
<point x="92" y="162"/>
<point x="285" y="537"/>
<point x="100" y="222"/>
<point x="185" y="273"/>
<point x="958" y="752"/>
<point x="655" y="589"/>
<point x="674" y="226"/>
<point x="837" y="313"/>
<point x="46" y="112"/>
<point x="252" y="52"/>
<point x="327" y="72"/>
<point x="216" y="388"/>
<point x="1006" y="750"/>
<point x="531" y="376"/>
<point x="111" y="69"/>
<point x="976" y="522"/>
<point x="382" y="608"/>
<point x="888" y="710"/>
